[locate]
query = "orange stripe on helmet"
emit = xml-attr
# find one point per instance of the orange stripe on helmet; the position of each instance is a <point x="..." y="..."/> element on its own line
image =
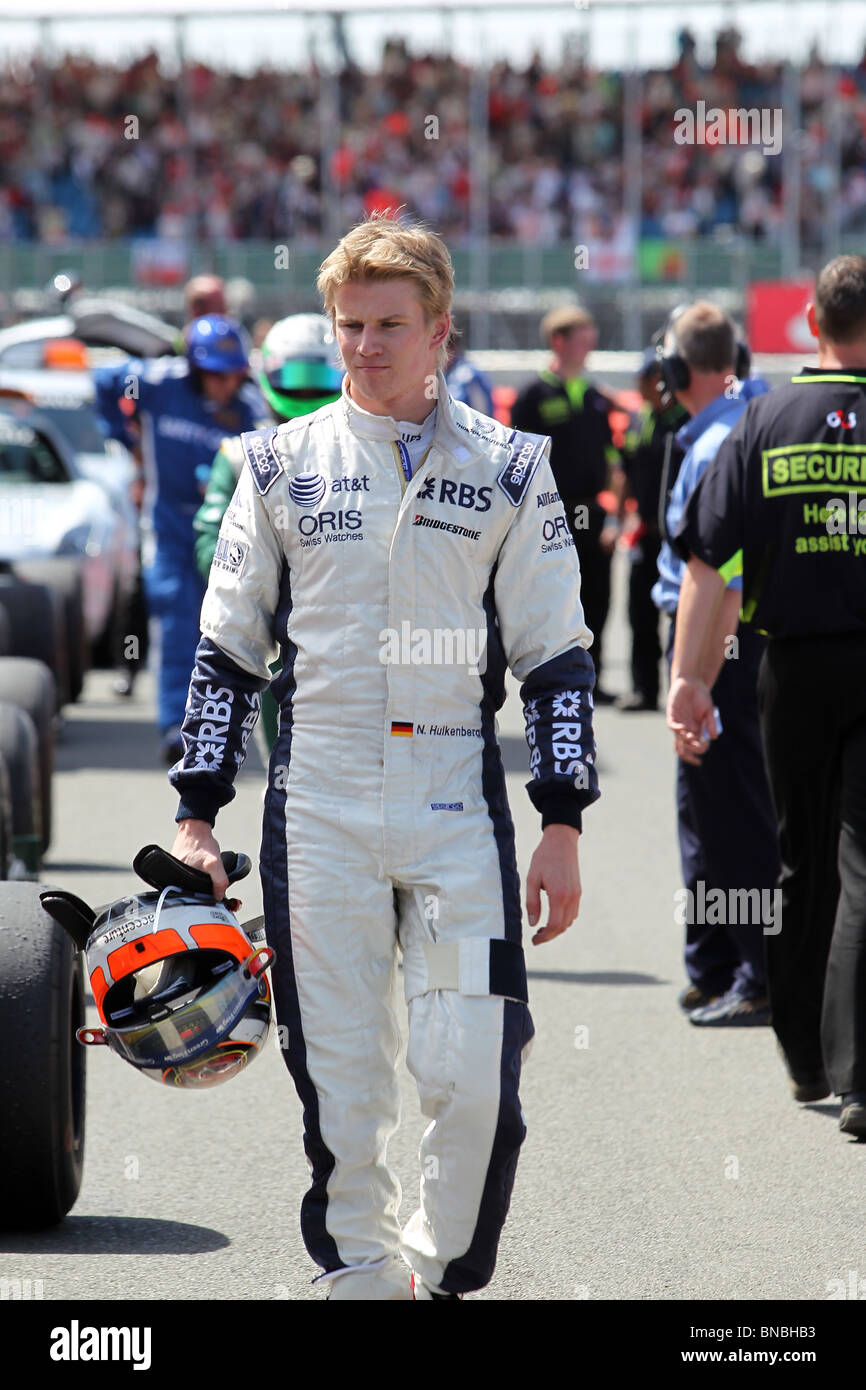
<point x="144" y="951"/>
<point x="219" y="936"/>
<point x="99" y="988"/>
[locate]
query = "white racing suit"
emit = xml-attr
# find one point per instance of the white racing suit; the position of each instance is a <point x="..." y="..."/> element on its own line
<point x="396" y="607"/>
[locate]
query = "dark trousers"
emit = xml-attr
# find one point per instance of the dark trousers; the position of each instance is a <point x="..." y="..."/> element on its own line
<point x="586" y="519"/>
<point x="812" y="696"/>
<point x="727" y="833"/>
<point x="643" y="616"/>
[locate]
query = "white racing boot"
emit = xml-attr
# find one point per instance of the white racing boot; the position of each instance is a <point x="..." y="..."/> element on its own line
<point x="387" y="1280"/>
<point x="424" y="1293"/>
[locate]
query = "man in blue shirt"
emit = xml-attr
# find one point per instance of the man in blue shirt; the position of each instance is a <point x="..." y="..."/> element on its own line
<point x="184" y="408"/>
<point x="727" y="828"/>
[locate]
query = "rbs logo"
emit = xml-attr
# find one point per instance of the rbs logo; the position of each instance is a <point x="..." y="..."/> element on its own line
<point x="456" y="494"/>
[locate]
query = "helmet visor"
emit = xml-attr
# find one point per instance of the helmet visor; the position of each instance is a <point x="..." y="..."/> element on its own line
<point x="304" y="374"/>
<point x="190" y="1028"/>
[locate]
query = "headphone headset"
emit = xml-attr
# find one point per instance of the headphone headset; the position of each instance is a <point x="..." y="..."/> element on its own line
<point x="675" y="371"/>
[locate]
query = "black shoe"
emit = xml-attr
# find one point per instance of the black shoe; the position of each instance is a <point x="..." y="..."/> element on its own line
<point x="810" y="1086"/>
<point x="172" y="747"/>
<point x="603" y="697"/>
<point x="808" y="1083"/>
<point x="853" y="1117"/>
<point x="694" y="998"/>
<point x="628" y="703"/>
<point x="733" y="1010"/>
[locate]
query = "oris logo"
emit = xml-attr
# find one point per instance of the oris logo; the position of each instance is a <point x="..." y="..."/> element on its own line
<point x="328" y="523"/>
<point x="307" y="489"/>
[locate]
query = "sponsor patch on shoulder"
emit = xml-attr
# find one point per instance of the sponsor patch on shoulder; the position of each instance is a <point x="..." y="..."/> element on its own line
<point x="259" y="452"/>
<point x="526" y="451"/>
<point x="229" y="556"/>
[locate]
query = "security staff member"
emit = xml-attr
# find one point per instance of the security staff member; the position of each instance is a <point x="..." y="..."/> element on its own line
<point x="647" y="443"/>
<point x="725" y="821"/>
<point x="783" y="501"/>
<point x="563" y="404"/>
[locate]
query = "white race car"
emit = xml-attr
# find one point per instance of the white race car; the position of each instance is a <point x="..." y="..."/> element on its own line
<point x="59" y="502"/>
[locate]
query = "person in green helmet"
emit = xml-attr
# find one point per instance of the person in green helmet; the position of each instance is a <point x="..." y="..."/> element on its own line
<point x="298" y="371"/>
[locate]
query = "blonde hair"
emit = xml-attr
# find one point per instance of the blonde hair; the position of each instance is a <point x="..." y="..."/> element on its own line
<point x="381" y="249"/>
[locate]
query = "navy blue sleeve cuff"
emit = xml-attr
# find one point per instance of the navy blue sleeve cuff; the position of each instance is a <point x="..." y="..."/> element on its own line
<point x="559" y="809"/>
<point x="197" y="806"/>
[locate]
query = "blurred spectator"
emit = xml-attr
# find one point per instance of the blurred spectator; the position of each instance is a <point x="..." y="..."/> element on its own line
<point x="244" y="161"/>
<point x="204" y="294"/>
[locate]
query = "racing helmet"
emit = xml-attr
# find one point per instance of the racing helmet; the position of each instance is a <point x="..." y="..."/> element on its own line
<point x="181" y="988"/>
<point x="299" y="366"/>
<point x="215" y="343"/>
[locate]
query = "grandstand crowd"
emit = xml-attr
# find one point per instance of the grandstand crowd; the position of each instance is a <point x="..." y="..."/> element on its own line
<point x="216" y="155"/>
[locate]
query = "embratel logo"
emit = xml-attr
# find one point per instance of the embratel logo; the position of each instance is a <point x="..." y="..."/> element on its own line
<point x="307" y="489"/>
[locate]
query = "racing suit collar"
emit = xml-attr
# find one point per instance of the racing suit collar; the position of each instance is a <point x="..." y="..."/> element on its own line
<point x="446" y="436"/>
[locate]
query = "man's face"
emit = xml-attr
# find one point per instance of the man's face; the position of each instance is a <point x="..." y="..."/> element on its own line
<point x="221" y="387"/>
<point x="573" y="345"/>
<point x="387" y="345"/>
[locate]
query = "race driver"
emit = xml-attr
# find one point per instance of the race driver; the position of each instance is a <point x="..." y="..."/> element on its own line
<point x="782" y="503"/>
<point x="401" y="549"/>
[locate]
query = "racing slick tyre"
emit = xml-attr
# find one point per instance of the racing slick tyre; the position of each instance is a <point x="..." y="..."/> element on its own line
<point x="7" y="861"/>
<point x="63" y="576"/>
<point x="35" y="615"/>
<point x="42" y="1072"/>
<point x="20" y="752"/>
<point x="31" y="686"/>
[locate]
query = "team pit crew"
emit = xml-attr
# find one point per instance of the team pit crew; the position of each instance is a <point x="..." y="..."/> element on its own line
<point x="298" y="370"/>
<point x="645" y="449"/>
<point x="386" y="818"/>
<point x="563" y="403"/>
<point x="783" y="503"/>
<point x="184" y="407"/>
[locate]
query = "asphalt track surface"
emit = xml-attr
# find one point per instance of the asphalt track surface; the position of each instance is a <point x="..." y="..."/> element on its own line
<point x="661" y="1162"/>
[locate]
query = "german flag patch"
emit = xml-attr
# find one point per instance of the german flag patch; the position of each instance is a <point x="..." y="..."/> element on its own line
<point x="400" y="730"/>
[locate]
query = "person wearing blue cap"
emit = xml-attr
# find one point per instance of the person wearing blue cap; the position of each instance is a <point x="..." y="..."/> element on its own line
<point x="183" y="407"/>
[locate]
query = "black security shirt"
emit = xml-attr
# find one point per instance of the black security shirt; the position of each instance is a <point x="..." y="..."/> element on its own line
<point x="780" y="501"/>
<point x="574" y="414"/>
<point x="644" y="454"/>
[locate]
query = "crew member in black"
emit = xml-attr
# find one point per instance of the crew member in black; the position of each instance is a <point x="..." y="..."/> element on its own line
<point x="784" y="499"/>
<point x="646" y="444"/>
<point x="562" y="403"/>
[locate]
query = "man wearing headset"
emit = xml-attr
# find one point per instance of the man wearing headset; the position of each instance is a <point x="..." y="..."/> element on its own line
<point x="727" y="829"/>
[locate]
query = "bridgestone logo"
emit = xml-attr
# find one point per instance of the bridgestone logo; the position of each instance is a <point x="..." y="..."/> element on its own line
<point x="452" y="526"/>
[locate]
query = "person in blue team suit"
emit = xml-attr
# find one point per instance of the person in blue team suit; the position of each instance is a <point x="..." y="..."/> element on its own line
<point x="181" y="409"/>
